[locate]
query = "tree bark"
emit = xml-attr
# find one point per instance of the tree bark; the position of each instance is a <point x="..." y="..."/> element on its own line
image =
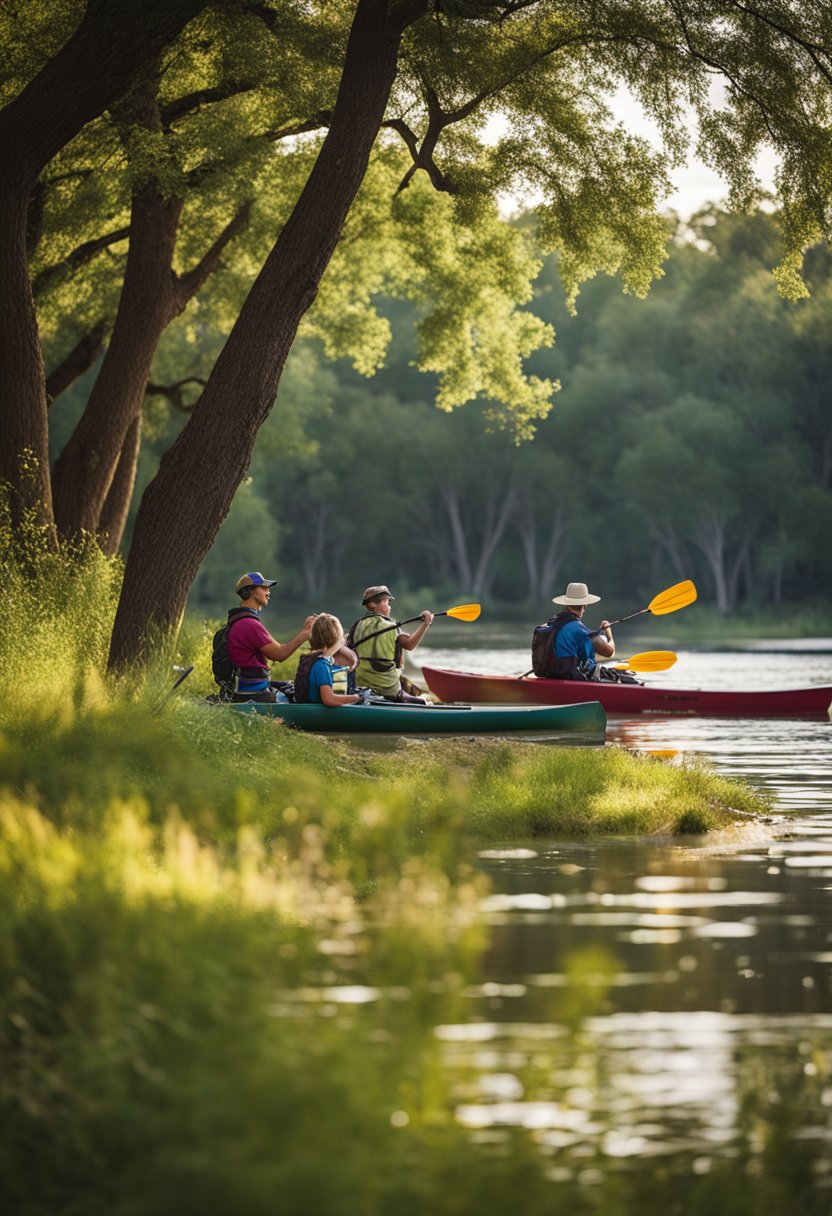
<point x="113" y="39"/>
<point x="79" y="360"/>
<point x="24" y="436"/>
<point x="112" y="517"/>
<point x="184" y="506"/>
<point x="116" y="506"/>
<point x="85" y="468"/>
<point x="151" y="296"/>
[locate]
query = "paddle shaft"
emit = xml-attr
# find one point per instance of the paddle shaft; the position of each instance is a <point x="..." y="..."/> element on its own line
<point x="597" y="632"/>
<point x="396" y="625"/>
<point x="675" y="597"/>
<point x="647" y="661"/>
<point x="164" y="702"/>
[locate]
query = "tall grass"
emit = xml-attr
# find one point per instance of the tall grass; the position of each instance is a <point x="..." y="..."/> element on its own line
<point x="224" y="945"/>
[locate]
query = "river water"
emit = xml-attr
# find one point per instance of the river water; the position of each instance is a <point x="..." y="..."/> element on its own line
<point x="666" y="1005"/>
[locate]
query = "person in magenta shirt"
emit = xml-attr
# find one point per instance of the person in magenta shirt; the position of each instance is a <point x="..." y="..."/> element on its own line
<point x="250" y="645"/>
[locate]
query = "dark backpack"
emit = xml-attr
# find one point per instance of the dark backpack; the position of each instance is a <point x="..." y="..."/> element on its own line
<point x="544" y="661"/>
<point x="221" y="665"/>
<point x="301" y="682"/>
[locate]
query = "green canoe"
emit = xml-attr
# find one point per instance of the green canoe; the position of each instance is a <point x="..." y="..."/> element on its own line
<point x="586" y="719"/>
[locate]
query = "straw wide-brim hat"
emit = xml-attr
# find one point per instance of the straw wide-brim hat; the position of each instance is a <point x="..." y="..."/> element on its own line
<point x="576" y="593"/>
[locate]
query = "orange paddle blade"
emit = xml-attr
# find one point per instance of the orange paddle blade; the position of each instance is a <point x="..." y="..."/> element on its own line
<point x="648" y="660"/>
<point x="676" y="597"/>
<point x="465" y="612"/>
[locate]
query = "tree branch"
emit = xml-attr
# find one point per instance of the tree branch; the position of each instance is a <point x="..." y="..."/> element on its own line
<point x="438" y="120"/>
<point x="191" y="102"/>
<point x="314" y="123"/>
<point x="79" y="257"/>
<point x="174" y="392"/>
<point x="79" y="360"/>
<point x="701" y="57"/>
<point x="187" y="285"/>
<point x="813" y="49"/>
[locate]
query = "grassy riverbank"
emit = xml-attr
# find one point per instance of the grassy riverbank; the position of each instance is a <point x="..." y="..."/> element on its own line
<point x="74" y="741"/>
<point x="225" y="946"/>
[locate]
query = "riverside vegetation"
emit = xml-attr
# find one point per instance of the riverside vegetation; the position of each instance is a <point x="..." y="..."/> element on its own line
<point x="183" y="896"/>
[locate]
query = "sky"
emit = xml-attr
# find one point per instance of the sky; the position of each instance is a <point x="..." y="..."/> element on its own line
<point x="693" y="185"/>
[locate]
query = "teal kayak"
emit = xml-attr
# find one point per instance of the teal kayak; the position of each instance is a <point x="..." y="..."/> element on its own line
<point x="588" y="718"/>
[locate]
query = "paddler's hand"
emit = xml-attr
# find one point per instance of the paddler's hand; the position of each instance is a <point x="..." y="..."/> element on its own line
<point x="427" y="617"/>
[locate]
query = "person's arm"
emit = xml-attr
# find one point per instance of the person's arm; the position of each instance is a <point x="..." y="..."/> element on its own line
<point x="333" y="699"/>
<point x="604" y="644"/>
<point x="346" y="658"/>
<point x="279" y="652"/>
<point x="409" y="641"/>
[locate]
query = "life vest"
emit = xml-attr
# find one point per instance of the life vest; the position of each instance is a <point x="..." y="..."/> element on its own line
<point x="225" y="673"/>
<point x="544" y="660"/>
<point x="383" y="653"/>
<point x="301" y="681"/>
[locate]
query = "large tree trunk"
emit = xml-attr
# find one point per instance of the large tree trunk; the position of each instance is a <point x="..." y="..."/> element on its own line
<point x="85" y="468"/>
<point x="114" y="511"/>
<point x="189" y="498"/>
<point x="24" y="436"/>
<point x="151" y="296"/>
<point x="116" y="507"/>
<point x="114" y="38"/>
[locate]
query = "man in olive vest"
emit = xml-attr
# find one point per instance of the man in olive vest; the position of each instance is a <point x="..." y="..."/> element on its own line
<point x="379" y="643"/>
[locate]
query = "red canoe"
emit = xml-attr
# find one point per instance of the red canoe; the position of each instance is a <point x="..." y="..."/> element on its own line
<point x="812" y="702"/>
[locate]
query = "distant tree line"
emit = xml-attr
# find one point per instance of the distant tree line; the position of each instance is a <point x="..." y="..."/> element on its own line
<point x="692" y="437"/>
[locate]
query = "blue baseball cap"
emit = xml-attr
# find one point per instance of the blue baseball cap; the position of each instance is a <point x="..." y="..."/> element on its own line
<point x="255" y="579"/>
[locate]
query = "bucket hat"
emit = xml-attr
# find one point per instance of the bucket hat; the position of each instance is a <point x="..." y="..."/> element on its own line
<point x="576" y="593"/>
<point x="374" y="593"/>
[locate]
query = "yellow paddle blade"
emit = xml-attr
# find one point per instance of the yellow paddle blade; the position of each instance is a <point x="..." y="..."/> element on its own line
<point x="648" y="660"/>
<point x="465" y="612"/>
<point x="676" y="597"/>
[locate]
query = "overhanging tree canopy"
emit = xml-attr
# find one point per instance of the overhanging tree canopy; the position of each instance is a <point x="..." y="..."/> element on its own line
<point x="431" y="74"/>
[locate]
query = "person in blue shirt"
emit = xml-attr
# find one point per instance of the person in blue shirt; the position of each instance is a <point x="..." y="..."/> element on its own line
<point x="574" y="644"/>
<point x="325" y="639"/>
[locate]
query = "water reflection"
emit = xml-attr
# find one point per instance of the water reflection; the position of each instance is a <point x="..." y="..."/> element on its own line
<point x="645" y="1001"/>
<point x="643" y="1015"/>
<point x="648" y="1027"/>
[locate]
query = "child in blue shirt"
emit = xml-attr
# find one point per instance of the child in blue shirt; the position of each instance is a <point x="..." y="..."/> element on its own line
<point x="327" y="637"/>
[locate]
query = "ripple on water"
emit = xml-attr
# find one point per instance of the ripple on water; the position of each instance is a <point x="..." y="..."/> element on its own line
<point x="654" y="995"/>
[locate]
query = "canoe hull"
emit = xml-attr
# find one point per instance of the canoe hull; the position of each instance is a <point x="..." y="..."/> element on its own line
<point x="812" y="702"/>
<point x="587" y="718"/>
